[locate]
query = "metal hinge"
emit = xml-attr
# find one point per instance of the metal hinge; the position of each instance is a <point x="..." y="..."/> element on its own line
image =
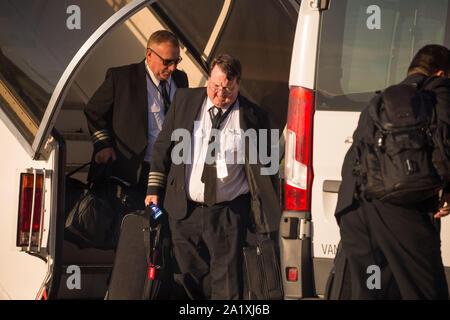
<point x="305" y="229"/>
<point x="319" y="4"/>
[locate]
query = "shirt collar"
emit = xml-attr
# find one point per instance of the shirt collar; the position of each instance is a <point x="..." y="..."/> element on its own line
<point x="209" y="105"/>
<point x="155" y="80"/>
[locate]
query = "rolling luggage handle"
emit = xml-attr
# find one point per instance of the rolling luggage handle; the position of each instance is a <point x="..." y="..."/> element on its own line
<point x="151" y="250"/>
<point x="154" y="260"/>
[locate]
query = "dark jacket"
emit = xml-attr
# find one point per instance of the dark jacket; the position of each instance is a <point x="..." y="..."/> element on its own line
<point x="182" y="113"/>
<point x="117" y="116"/>
<point x="348" y="193"/>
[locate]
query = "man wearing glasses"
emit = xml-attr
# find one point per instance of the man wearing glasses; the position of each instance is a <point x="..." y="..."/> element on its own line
<point x="126" y="113"/>
<point x="210" y="205"/>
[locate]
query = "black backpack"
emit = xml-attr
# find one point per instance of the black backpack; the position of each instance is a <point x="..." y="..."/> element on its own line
<point x="403" y="158"/>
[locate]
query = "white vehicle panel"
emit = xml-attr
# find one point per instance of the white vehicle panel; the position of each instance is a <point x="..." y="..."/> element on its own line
<point x="21" y="275"/>
<point x="332" y="138"/>
<point x="304" y="52"/>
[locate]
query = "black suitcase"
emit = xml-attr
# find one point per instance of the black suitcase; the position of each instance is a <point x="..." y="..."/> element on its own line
<point x="262" y="276"/>
<point x="143" y="263"/>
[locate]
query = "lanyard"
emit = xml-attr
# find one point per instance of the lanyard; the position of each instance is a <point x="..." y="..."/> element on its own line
<point x="222" y="117"/>
<point x="160" y="93"/>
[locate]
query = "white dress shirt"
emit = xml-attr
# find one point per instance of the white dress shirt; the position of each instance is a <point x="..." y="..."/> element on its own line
<point x="155" y="108"/>
<point x="235" y="183"/>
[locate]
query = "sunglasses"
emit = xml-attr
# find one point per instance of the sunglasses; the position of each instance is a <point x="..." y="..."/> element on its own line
<point x="166" y="62"/>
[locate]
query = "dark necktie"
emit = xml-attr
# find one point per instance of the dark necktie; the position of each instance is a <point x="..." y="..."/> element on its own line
<point x="164" y="95"/>
<point x="209" y="174"/>
<point x="215" y="119"/>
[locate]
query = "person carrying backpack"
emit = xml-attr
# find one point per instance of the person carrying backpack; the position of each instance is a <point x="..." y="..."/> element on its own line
<point x="392" y="177"/>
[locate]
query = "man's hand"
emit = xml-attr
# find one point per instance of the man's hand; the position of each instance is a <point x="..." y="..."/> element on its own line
<point x="104" y="155"/>
<point x="444" y="206"/>
<point x="151" y="199"/>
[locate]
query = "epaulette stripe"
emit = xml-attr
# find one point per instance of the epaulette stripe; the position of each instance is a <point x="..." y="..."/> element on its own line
<point x="100" y="135"/>
<point x="154" y="184"/>
<point x="157" y="181"/>
<point x="155" y="173"/>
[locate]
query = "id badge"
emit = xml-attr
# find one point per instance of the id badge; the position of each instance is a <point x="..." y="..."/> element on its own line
<point x="156" y="212"/>
<point x="221" y="167"/>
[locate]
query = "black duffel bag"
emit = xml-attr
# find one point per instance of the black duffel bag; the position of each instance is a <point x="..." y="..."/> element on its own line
<point x="94" y="219"/>
<point x="91" y="222"/>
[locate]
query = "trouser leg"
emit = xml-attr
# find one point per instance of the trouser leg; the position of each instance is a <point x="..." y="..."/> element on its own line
<point x="224" y="238"/>
<point x="411" y="245"/>
<point x="221" y="228"/>
<point x="361" y="253"/>
<point x="187" y="241"/>
<point x="405" y="246"/>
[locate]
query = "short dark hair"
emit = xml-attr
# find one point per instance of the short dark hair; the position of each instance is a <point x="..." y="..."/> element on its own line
<point x="430" y="59"/>
<point x="229" y="65"/>
<point x="161" y="36"/>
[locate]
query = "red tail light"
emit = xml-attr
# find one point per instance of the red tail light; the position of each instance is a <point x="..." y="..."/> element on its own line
<point x="298" y="156"/>
<point x="30" y="198"/>
<point x="292" y="274"/>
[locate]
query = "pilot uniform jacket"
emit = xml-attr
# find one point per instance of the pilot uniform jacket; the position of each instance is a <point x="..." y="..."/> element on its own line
<point x="168" y="179"/>
<point x="117" y="116"/>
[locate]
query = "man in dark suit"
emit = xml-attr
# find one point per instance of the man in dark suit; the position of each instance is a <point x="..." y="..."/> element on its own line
<point x="400" y="240"/>
<point x="211" y="203"/>
<point x="126" y="113"/>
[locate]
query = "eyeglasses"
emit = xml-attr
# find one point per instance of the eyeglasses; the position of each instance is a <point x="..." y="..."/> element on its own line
<point x="224" y="90"/>
<point x="167" y="62"/>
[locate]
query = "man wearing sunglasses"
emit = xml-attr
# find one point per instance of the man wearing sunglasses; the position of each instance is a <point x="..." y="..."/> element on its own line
<point x="126" y="113"/>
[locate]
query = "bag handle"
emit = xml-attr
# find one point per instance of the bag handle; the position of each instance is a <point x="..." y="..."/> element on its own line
<point x="77" y="169"/>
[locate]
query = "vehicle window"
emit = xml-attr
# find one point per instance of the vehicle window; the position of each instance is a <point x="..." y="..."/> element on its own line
<point x="367" y="45"/>
<point x="37" y="42"/>
<point x="261" y="35"/>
